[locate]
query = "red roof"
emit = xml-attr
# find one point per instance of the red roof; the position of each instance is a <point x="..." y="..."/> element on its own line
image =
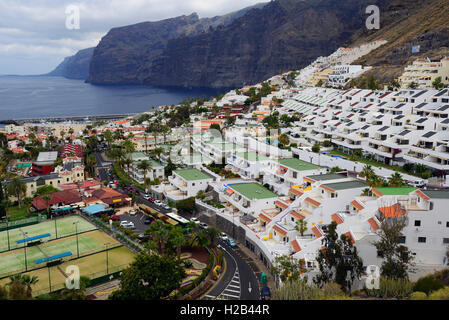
<point x="65" y="197"/>
<point x="373" y="224"/>
<point x="348" y="234"/>
<point x="312" y="202"/>
<point x="296" y="192"/>
<point x="264" y="217"/>
<point x="280" y="230"/>
<point x="422" y="195"/>
<point x="297" y="215"/>
<point x="337" y="218"/>
<point x="317" y="232"/>
<point x="280" y="204"/>
<point x="296" y="246"/>
<point x="357" y="205"/>
<point x="393" y="211"/>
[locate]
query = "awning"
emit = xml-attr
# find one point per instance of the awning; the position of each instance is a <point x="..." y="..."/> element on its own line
<point x="264" y="218"/>
<point x="280" y="230"/>
<point x="229" y="191"/>
<point x="62" y="209"/>
<point x="116" y="200"/>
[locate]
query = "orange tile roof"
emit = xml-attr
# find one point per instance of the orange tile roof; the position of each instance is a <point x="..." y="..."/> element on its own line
<point x="373" y="224"/>
<point x="296" y="246"/>
<point x="296" y="215"/>
<point x="337" y="218"/>
<point x="296" y="192"/>
<point x="327" y="188"/>
<point x="393" y="211"/>
<point x="312" y="202"/>
<point x="357" y="205"/>
<point x="348" y="234"/>
<point x="280" y="230"/>
<point x="280" y="204"/>
<point x="317" y="232"/>
<point x="264" y="218"/>
<point x="422" y="195"/>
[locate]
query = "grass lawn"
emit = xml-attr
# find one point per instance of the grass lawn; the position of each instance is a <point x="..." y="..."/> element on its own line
<point x="16" y="213"/>
<point x="367" y="161"/>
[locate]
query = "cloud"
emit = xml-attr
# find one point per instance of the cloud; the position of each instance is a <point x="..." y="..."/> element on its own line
<point x="37" y="28"/>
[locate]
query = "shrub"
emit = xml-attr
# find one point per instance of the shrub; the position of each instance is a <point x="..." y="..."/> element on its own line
<point x="428" y="284"/>
<point x="332" y="289"/>
<point x="392" y="288"/>
<point x="443" y="276"/>
<point x="418" y="295"/>
<point x="298" y="290"/>
<point x="441" y="294"/>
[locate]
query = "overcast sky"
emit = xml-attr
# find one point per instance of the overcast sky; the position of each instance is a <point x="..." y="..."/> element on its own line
<point x="34" y="38"/>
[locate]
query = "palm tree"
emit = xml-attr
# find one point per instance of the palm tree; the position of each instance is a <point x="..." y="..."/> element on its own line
<point x="177" y="239"/>
<point x="91" y="161"/>
<point x="47" y="199"/>
<point x="301" y="226"/>
<point x="5" y="204"/>
<point x="158" y="152"/>
<point x="367" y="171"/>
<point x="200" y="239"/>
<point x="159" y="233"/>
<point x="27" y="201"/>
<point x="144" y="165"/>
<point x="127" y="162"/>
<point x="396" y="180"/>
<point x="17" y="188"/>
<point x="365" y="192"/>
<point x="212" y="232"/>
<point x="28" y="282"/>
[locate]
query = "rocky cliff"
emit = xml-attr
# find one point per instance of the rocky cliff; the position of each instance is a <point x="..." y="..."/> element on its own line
<point x="76" y="66"/>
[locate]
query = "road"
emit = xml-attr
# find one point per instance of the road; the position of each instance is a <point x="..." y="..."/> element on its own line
<point x="240" y="281"/>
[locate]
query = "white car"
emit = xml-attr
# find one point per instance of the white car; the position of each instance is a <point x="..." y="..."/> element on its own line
<point x="146" y="196"/>
<point x="224" y="236"/>
<point x="203" y="225"/>
<point x="158" y="202"/>
<point x="195" y="220"/>
<point x="127" y="224"/>
<point x="132" y="212"/>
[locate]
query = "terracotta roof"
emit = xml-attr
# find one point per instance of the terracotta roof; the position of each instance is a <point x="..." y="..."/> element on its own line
<point x="327" y="188"/>
<point x="317" y="232"/>
<point x="296" y="246"/>
<point x="422" y="195"/>
<point x="264" y="218"/>
<point x="280" y="204"/>
<point x="357" y="205"/>
<point x="296" y="192"/>
<point x="348" y="234"/>
<point x="66" y="197"/>
<point x="393" y="211"/>
<point x="312" y="202"/>
<point x="280" y="230"/>
<point x="337" y="218"/>
<point x="297" y="215"/>
<point x="373" y="224"/>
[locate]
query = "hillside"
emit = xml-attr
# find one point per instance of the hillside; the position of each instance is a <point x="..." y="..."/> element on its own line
<point x="406" y="23"/>
<point x="76" y="66"/>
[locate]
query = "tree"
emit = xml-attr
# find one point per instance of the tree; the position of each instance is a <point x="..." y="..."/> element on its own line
<point x="200" y="239"/>
<point x="301" y="226"/>
<point x="438" y="83"/>
<point x="91" y="161"/>
<point x="75" y="294"/>
<point x="158" y="151"/>
<point x="176" y="239"/>
<point x="150" y="277"/>
<point x="26" y="280"/>
<point x="17" y="188"/>
<point x="288" y="268"/>
<point x="27" y="201"/>
<point x="413" y="85"/>
<point x="47" y="199"/>
<point x="212" y="232"/>
<point x="316" y="148"/>
<point x="186" y="204"/>
<point x="159" y="234"/>
<point x="284" y="140"/>
<point x="367" y="172"/>
<point x="144" y="165"/>
<point x="339" y="260"/>
<point x="48" y="188"/>
<point x="127" y="162"/>
<point x="396" y="180"/>
<point x="2" y="197"/>
<point x="397" y="257"/>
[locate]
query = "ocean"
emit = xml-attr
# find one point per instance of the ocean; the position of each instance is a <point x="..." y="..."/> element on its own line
<point x="38" y="96"/>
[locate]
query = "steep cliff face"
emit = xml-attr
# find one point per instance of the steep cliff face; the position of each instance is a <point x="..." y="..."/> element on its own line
<point x="76" y="66"/>
<point x="281" y="35"/>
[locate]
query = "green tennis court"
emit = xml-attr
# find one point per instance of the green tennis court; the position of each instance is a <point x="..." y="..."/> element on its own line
<point x="14" y="261"/>
<point x="63" y="227"/>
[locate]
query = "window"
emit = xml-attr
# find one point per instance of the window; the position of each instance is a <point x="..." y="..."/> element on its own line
<point x="446" y="240"/>
<point x="422" y="239"/>
<point x="447" y="224"/>
<point x="430" y="205"/>
<point x="417" y="223"/>
<point x="402" y="239"/>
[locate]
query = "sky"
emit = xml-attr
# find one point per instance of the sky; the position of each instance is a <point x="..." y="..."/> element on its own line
<point x="36" y="35"/>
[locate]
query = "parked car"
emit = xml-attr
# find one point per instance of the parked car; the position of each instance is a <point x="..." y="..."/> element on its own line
<point x="146" y="196"/>
<point x="132" y="212"/>
<point x="166" y="207"/>
<point x="127" y="224"/>
<point x="224" y="236"/>
<point x="195" y="220"/>
<point x="231" y="242"/>
<point x="158" y="202"/>
<point x="148" y="220"/>
<point x="115" y="218"/>
<point x="417" y="183"/>
<point x="203" y="225"/>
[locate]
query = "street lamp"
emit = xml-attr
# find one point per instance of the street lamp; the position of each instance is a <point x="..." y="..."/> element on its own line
<point x="56" y="228"/>
<point x="25" y="250"/>
<point x="107" y="258"/>
<point x="76" y="231"/>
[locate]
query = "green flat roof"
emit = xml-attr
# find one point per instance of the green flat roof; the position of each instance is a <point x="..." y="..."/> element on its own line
<point x="436" y="194"/>
<point x="137" y="155"/>
<point x="327" y="176"/>
<point x="252" y="190"/>
<point x="252" y="156"/>
<point x="298" y="165"/>
<point x="155" y="164"/>
<point x="395" y="191"/>
<point x="192" y="174"/>
<point x="346" y="185"/>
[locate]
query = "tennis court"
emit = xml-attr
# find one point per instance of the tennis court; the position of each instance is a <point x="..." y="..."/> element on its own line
<point x="14" y="261"/>
<point x="92" y="266"/>
<point x="61" y="227"/>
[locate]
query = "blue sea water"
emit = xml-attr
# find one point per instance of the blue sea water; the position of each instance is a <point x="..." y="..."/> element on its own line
<point x="38" y="96"/>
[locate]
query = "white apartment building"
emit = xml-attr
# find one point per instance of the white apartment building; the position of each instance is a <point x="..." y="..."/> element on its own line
<point x="423" y="72"/>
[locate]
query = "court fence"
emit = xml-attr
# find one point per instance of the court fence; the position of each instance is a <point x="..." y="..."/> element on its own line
<point x="22" y="222"/>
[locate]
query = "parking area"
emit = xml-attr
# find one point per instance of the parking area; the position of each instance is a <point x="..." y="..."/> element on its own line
<point x="138" y="219"/>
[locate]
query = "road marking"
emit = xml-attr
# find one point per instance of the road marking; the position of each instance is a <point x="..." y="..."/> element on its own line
<point x="232" y="286"/>
<point x="230" y="290"/>
<point x="230" y="295"/>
